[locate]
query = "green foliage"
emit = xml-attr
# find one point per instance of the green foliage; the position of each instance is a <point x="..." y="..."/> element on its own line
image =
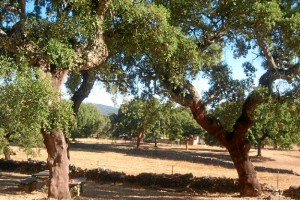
<point x="20" y="105"/>
<point x="73" y="82"/>
<point x="7" y="66"/>
<point x="156" y="41"/>
<point x="50" y="36"/>
<point x="156" y="119"/>
<point x="60" y="54"/>
<point x="3" y="141"/>
<point x="223" y="86"/>
<point x="89" y="121"/>
<point x="182" y="125"/>
<point x="57" y="33"/>
<point x="23" y="114"/>
<point x="276" y="23"/>
<point x="270" y="12"/>
<point x="61" y="116"/>
<point x="130" y="119"/>
<point x="143" y="43"/>
<point x="280" y="121"/>
<point x="227" y="113"/>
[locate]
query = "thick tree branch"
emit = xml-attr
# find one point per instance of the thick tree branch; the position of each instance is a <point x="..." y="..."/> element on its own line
<point x="12" y="38"/>
<point x="245" y="121"/>
<point x="183" y="95"/>
<point x="95" y="52"/>
<point x="88" y="80"/>
<point x="189" y="97"/>
<point x="265" y="50"/>
<point x="264" y="136"/>
<point x="211" y="124"/>
<point x="271" y="75"/>
<point x="23" y="14"/>
<point x="103" y="6"/>
<point x="207" y="41"/>
<point x="254" y="99"/>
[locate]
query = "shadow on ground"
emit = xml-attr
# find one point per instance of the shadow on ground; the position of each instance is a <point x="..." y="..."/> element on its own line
<point x="93" y="191"/>
<point x="207" y="156"/>
<point x="9" y="183"/>
<point x="117" y="191"/>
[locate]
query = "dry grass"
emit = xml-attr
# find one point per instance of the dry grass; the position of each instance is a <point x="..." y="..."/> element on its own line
<point x="90" y="153"/>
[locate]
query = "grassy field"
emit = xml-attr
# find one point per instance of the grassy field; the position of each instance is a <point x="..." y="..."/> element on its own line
<point x="200" y="160"/>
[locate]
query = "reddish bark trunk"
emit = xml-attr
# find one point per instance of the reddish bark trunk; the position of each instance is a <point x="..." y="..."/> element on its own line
<point x="58" y="164"/>
<point x="237" y="145"/>
<point x="57" y="149"/>
<point x="239" y="152"/>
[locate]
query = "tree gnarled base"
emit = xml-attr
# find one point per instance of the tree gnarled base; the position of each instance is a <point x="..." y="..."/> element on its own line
<point x="239" y="152"/>
<point x="58" y="164"/>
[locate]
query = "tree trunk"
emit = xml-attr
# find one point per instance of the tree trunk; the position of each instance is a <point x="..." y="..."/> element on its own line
<point x="155" y="142"/>
<point x="58" y="164"/>
<point x="259" y="147"/>
<point x="236" y="143"/>
<point x="138" y="139"/>
<point x="186" y="144"/>
<point x="260" y="142"/>
<point x="7" y="150"/>
<point x="7" y="154"/>
<point x="68" y="147"/>
<point x="57" y="149"/>
<point x="239" y="152"/>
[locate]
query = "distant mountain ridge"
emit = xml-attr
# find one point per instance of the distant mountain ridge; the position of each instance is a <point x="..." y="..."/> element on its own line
<point x="106" y="110"/>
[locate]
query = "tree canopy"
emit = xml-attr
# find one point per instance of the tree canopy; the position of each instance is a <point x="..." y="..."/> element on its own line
<point x="155" y="119"/>
<point x="22" y="113"/>
<point x="179" y="39"/>
<point x="276" y="124"/>
<point x="89" y="121"/>
<point x="159" y="47"/>
<point x="53" y="38"/>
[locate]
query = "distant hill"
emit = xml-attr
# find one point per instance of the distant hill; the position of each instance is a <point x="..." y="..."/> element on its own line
<point x="106" y="110"/>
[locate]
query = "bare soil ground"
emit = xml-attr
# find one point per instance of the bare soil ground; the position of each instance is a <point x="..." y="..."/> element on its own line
<point x="200" y="160"/>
